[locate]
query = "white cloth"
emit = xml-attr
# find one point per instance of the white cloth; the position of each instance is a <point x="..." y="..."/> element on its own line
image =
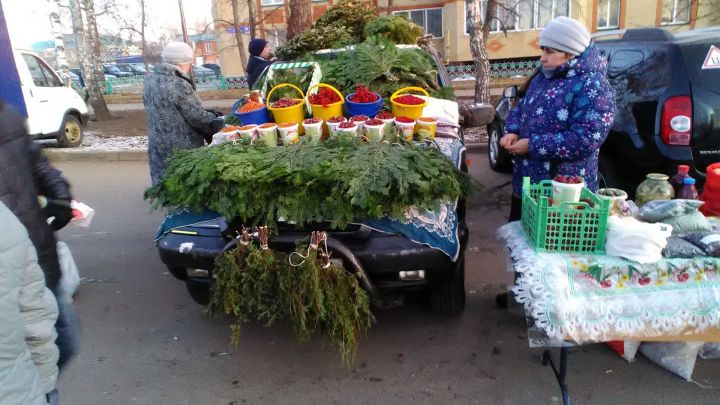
<point x="28" y="311"/>
<point x="634" y="240"/>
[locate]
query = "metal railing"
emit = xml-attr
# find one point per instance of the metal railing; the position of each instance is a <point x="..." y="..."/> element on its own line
<point x="498" y="69"/>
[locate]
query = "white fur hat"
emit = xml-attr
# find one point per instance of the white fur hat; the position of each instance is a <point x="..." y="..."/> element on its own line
<point x="177" y="53"/>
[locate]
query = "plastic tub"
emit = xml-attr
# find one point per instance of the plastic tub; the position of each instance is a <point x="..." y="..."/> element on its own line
<point x="369" y="109"/>
<point x="314" y="130"/>
<point x="332" y="110"/>
<point x="374" y="133"/>
<point x="268" y="134"/>
<point x="425" y="127"/>
<point x="332" y="126"/>
<point x="294" y="113"/>
<point x="289" y="133"/>
<point x="413" y="111"/>
<point x="257" y="117"/>
<point x="407" y="129"/>
<point x="566" y="192"/>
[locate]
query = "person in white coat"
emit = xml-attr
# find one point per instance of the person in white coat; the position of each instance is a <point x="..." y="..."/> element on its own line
<point x="28" y="311"/>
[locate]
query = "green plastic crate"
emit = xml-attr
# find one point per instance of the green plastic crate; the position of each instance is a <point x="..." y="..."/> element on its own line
<point x="565" y="228"/>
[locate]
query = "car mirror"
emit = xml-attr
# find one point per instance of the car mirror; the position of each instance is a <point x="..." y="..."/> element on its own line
<point x="477" y="115"/>
<point x="510" y="92"/>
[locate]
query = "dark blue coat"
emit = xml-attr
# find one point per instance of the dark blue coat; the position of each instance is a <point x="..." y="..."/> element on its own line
<point x="256" y="66"/>
<point x="566" y="118"/>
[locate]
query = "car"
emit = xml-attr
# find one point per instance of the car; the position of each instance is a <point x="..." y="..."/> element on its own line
<point x="203" y="71"/>
<point x="391" y="264"/>
<point x="133" y="69"/>
<point x="78" y="87"/>
<point x="667" y="94"/>
<point x="115" y="71"/>
<point x="212" y="66"/>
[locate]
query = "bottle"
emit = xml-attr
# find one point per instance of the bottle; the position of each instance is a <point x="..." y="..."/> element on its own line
<point x="688" y="190"/>
<point x="677" y="179"/>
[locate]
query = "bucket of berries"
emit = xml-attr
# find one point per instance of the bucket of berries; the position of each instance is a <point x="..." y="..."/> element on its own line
<point x="567" y="189"/>
<point x="363" y="102"/>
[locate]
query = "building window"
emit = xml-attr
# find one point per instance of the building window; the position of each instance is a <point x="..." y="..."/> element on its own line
<point x="208" y="48"/>
<point x="272" y="2"/>
<point x="675" y="12"/>
<point x="517" y="15"/>
<point x="608" y="14"/>
<point x="431" y="19"/>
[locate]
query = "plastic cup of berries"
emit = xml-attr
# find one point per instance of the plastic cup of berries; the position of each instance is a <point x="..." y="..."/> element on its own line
<point x="247" y="132"/>
<point x="567" y="189"/>
<point x="268" y="134"/>
<point x="359" y="120"/>
<point x="313" y="129"/>
<point x="333" y="123"/>
<point x="389" y="120"/>
<point x="407" y="127"/>
<point x="289" y="132"/>
<point x="374" y="130"/>
<point x="347" y="128"/>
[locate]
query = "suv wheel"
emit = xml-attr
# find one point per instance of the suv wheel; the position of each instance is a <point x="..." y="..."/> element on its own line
<point x="449" y="298"/>
<point x="199" y="290"/>
<point x="498" y="157"/>
<point x="70" y="135"/>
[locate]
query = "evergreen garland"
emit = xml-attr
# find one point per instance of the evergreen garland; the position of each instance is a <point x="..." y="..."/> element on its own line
<point x="339" y="181"/>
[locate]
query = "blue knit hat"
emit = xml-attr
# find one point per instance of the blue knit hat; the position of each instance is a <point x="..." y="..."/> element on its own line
<point x="256" y="46"/>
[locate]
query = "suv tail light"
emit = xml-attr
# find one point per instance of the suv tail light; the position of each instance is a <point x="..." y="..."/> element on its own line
<point x="677" y="121"/>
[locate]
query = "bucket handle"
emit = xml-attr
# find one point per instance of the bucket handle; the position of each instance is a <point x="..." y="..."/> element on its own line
<point x="302" y="95"/>
<point x="404" y="89"/>
<point x="342" y="99"/>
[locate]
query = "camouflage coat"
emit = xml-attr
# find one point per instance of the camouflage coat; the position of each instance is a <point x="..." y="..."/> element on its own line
<point x="175" y="118"/>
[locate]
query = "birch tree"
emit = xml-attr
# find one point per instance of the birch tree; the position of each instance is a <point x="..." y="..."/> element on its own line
<point x="300" y="17"/>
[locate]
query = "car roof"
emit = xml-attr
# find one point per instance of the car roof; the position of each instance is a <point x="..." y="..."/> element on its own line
<point x="654" y="34"/>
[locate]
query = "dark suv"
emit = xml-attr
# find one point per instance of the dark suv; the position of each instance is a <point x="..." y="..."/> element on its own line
<point x="667" y="91"/>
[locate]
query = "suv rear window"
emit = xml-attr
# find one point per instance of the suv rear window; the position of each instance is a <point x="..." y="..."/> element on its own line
<point x="695" y="56"/>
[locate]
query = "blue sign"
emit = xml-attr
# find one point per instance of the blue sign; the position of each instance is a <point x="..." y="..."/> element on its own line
<point x="243" y="28"/>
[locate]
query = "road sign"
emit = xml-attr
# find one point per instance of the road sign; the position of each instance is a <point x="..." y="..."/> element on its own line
<point x="712" y="61"/>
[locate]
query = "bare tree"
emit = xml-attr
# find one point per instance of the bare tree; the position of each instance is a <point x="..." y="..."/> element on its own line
<point x="252" y="18"/>
<point x="89" y="63"/>
<point x="300" y="17"/>
<point x="389" y="7"/>
<point x="57" y="28"/>
<point x="238" y="33"/>
<point x="480" y="18"/>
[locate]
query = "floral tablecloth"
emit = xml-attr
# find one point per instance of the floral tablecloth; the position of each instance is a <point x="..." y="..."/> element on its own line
<point x="586" y="298"/>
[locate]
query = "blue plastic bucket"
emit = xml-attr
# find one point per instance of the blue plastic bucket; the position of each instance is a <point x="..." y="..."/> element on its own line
<point x="257" y="117"/>
<point x="369" y="109"/>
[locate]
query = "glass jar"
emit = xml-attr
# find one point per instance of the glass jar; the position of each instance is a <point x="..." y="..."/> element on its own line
<point x="654" y="187"/>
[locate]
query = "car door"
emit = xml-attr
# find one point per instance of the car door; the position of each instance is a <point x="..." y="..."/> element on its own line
<point x="47" y="101"/>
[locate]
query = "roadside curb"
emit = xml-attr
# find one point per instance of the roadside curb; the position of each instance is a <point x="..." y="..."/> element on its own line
<point x="476" y="146"/>
<point x="70" y="155"/>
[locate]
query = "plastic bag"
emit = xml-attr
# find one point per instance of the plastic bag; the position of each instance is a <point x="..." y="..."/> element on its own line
<point x="627" y="349"/>
<point x="678" y="248"/>
<point x="709" y="242"/>
<point x="677" y="357"/>
<point x="69" y="278"/>
<point x="658" y="210"/>
<point x="82" y="214"/>
<point x="710" y="351"/>
<point x="692" y="222"/>
<point x="634" y="240"/>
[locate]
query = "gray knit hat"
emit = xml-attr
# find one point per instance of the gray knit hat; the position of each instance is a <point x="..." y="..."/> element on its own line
<point x="566" y="35"/>
<point x="177" y="53"/>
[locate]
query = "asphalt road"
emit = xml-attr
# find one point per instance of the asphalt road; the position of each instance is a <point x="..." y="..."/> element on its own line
<point x="144" y="341"/>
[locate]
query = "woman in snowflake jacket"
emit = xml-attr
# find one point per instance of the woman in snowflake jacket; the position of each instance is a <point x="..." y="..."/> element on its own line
<point x="565" y="115"/>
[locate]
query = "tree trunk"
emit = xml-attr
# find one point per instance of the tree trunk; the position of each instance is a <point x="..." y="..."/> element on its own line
<point x="300" y="17"/>
<point x="389" y="7"/>
<point x="143" y="41"/>
<point x="480" y="28"/>
<point x="238" y="34"/>
<point x="57" y="29"/>
<point x="89" y="63"/>
<point x="252" y="18"/>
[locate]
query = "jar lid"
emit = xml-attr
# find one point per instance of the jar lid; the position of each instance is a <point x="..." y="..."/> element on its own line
<point x="657" y="176"/>
<point x="684" y="169"/>
<point x="689" y="180"/>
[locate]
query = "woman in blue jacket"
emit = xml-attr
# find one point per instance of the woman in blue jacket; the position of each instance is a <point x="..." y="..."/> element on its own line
<point x="565" y="115"/>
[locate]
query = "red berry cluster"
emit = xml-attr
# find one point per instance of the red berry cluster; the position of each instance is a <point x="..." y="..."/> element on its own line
<point x="374" y="121"/>
<point x="409" y="99"/>
<point x="405" y="120"/>
<point x="339" y="118"/>
<point x="347" y="125"/>
<point x="324" y="97"/>
<point x="311" y="121"/>
<point x="285" y="102"/>
<point x="568" y="179"/>
<point x="363" y="95"/>
<point x="384" y="115"/>
<point x="362" y="118"/>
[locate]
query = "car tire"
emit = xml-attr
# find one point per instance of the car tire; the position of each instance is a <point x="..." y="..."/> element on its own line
<point x="199" y="291"/>
<point x="449" y="298"/>
<point x="179" y="273"/>
<point x="498" y="158"/>
<point x="70" y="135"/>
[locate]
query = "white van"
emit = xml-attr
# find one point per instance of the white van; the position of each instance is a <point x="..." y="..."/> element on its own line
<point x="54" y="108"/>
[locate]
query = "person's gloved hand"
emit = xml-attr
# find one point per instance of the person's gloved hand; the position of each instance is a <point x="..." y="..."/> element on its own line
<point x="216" y="125"/>
<point x="60" y="209"/>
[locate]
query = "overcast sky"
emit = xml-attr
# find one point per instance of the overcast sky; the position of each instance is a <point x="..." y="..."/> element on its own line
<point x="28" y="20"/>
